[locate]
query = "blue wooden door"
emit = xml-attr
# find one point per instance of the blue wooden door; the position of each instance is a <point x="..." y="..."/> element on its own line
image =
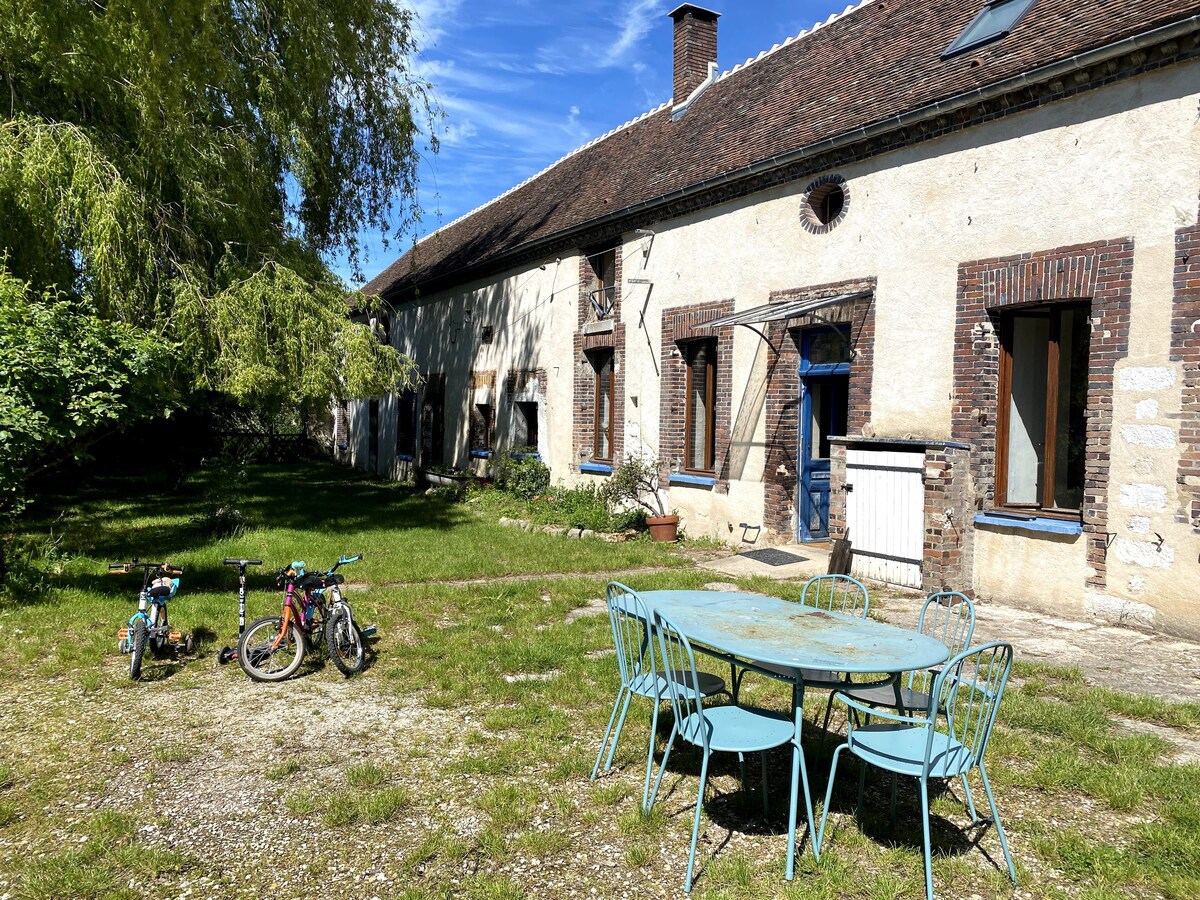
<point x="824" y="402"/>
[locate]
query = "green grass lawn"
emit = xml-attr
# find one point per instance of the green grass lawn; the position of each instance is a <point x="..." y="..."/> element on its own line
<point x="457" y="764"/>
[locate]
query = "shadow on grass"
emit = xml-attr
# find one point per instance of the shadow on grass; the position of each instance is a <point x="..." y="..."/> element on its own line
<point x="115" y="517"/>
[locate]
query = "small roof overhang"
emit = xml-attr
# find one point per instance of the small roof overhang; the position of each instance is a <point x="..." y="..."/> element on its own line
<point x="780" y="312"/>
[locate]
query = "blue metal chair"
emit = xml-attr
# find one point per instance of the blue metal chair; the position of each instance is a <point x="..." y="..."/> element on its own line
<point x="948" y="616"/>
<point x="635" y="660"/>
<point x="835" y="593"/>
<point x="967" y="693"/>
<point x="732" y="729"/>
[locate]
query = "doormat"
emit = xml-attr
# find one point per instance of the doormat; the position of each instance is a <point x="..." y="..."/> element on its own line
<point x="773" y="557"/>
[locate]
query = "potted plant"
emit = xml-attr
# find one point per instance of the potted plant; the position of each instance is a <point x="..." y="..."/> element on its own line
<point x="444" y="476"/>
<point x="636" y="480"/>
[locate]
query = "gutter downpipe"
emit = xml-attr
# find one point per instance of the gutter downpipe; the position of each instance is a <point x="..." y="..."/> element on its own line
<point x="930" y="111"/>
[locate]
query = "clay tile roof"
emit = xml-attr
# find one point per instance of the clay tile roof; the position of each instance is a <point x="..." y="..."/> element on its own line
<point x="876" y="61"/>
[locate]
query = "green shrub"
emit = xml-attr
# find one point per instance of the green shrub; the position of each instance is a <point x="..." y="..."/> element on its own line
<point x="520" y="473"/>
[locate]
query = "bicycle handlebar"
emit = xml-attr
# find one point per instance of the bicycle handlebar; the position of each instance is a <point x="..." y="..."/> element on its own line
<point x="242" y="562"/>
<point x="344" y="560"/>
<point x="124" y="568"/>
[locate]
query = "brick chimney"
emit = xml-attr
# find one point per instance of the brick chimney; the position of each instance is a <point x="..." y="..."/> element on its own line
<point x="695" y="48"/>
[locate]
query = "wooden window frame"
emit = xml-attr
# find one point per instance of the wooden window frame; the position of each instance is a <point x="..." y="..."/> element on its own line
<point x="596" y="357"/>
<point x="710" y="406"/>
<point x="1007" y="317"/>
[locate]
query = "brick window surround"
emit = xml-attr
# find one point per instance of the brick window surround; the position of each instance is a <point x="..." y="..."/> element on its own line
<point x="688" y="323"/>
<point x="781" y="469"/>
<point x="1185" y="348"/>
<point x="1099" y="272"/>
<point x="586" y="338"/>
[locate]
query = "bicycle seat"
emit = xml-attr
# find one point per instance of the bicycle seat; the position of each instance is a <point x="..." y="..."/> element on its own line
<point x="160" y="590"/>
<point x="310" y="581"/>
<point x="335" y="578"/>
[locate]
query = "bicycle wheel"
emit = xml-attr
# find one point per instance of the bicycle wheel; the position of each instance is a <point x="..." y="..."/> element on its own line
<point x="345" y="643"/>
<point x="137" y="645"/>
<point x="158" y="619"/>
<point x="264" y="662"/>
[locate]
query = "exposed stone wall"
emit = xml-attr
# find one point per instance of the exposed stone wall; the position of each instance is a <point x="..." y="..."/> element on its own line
<point x="1100" y="272"/>
<point x="948" y="559"/>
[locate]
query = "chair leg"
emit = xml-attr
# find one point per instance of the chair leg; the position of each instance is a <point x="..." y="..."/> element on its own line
<point x="892" y="810"/>
<point x="970" y="800"/>
<point x="663" y="765"/>
<point x="820" y="839"/>
<point x="987" y="787"/>
<point x="687" y="884"/>
<point x="608" y="730"/>
<point x="650" y="758"/>
<point x="800" y="768"/>
<point x="862" y="789"/>
<point x="925" y="837"/>
<point x="617" y="735"/>
<point x="763" y="757"/>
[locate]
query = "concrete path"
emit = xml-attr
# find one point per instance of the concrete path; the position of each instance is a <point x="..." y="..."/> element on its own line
<point x="1124" y="659"/>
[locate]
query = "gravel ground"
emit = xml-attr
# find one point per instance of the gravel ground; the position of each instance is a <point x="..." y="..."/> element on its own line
<point x="199" y="756"/>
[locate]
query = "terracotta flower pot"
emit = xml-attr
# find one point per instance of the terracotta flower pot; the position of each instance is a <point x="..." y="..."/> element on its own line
<point x="663" y="528"/>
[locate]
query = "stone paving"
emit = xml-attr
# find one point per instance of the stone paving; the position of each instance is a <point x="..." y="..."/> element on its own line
<point x="1124" y="659"/>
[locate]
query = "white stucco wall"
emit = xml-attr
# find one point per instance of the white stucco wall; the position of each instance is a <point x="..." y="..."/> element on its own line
<point x="1119" y="162"/>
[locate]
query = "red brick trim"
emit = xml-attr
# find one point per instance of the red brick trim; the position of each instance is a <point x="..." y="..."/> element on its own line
<point x="685" y="323"/>
<point x="1185" y="348"/>
<point x="583" y="425"/>
<point x="781" y="471"/>
<point x="1101" y="272"/>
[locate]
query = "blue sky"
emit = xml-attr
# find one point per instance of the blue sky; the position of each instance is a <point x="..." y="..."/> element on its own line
<point x="524" y="82"/>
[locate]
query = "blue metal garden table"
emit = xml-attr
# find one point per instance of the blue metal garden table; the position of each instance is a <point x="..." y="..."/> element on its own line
<point x="748" y="628"/>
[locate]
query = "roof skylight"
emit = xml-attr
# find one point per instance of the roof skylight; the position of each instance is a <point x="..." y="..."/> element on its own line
<point x="995" y="20"/>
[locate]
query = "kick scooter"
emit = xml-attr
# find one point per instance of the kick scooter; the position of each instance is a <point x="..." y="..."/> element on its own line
<point x="229" y="654"/>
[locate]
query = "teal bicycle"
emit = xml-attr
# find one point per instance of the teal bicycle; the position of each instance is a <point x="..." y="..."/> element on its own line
<point x="149" y="626"/>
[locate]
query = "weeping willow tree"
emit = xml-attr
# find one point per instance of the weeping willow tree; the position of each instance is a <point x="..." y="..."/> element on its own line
<point x="174" y="175"/>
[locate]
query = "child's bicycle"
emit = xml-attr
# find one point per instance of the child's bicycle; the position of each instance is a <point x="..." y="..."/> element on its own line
<point x="149" y="626"/>
<point x="273" y="648"/>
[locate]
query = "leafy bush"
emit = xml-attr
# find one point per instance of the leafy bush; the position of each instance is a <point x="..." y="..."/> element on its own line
<point x="521" y="473"/>
<point x="579" y="507"/>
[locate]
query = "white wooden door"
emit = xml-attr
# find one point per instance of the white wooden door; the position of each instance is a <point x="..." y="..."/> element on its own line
<point x="885" y="514"/>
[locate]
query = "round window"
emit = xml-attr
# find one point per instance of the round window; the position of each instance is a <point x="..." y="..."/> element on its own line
<point x="825" y="203"/>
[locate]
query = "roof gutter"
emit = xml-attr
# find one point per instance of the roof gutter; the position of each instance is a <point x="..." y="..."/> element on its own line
<point x="1141" y="41"/>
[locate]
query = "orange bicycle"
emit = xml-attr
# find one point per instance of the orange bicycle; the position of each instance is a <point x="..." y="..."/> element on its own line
<point x="273" y="648"/>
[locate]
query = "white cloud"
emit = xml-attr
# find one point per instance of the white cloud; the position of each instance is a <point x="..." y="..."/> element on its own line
<point x="434" y="18"/>
<point x="590" y="47"/>
<point x="458" y="134"/>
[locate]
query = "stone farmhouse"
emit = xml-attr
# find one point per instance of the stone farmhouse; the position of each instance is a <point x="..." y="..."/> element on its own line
<point x="927" y="274"/>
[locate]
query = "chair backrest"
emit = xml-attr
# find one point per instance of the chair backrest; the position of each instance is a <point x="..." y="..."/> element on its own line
<point x="948" y="616"/>
<point x="630" y="617"/>
<point x="967" y="692"/>
<point x="836" y="593"/>
<point x="677" y="657"/>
